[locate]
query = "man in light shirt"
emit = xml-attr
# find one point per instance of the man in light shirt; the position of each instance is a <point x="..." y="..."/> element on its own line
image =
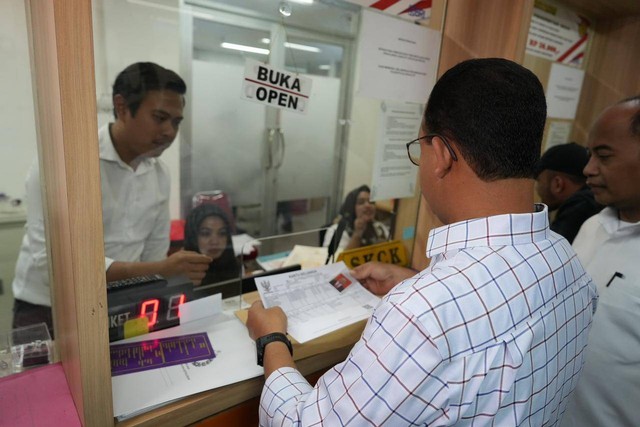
<point x="493" y="332"/>
<point x="608" y="244"/>
<point x="148" y="101"/>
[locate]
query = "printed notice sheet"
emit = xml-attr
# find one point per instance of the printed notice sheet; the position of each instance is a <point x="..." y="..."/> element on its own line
<point x="563" y="91"/>
<point x="398" y="60"/>
<point x="394" y="176"/>
<point x="317" y="301"/>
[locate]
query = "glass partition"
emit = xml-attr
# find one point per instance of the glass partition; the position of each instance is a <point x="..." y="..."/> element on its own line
<point x="279" y="171"/>
<point x="18" y="156"/>
<point x="267" y="256"/>
<point x="230" y="170"/>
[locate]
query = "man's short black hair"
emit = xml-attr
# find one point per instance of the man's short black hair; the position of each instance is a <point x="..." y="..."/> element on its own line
<point x="137" y="79"/>
<point x="635" y="120"/>
<point x="495" y="111"/>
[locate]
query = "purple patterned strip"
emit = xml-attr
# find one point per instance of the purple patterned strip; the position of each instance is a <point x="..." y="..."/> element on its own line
<point x="160" y="353"/>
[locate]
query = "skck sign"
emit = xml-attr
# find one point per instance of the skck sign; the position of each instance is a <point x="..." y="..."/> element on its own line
<point x="392" y="252"/>
<point x="275" y="88"/>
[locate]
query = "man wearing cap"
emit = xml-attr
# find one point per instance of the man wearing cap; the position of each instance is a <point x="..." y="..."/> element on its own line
<point x="561" y="186"/>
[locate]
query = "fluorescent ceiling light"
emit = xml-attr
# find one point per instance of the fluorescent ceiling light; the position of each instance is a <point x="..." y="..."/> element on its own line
<point x="302" y="1"/>
<point x="295" y="46"/>
<point x="244" y="48"/>
<point x="326" y="67"/>
<point x="301" y="47"/>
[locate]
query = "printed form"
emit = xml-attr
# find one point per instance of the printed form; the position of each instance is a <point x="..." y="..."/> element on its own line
<point x="317" y="301"/>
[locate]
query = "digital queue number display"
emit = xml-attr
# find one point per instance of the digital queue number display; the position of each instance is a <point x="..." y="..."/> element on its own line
<point x="151" y="297"/>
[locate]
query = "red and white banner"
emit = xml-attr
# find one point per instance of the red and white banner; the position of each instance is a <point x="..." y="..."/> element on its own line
<point x="414" y="10"/>
<point x="558" y="35"/>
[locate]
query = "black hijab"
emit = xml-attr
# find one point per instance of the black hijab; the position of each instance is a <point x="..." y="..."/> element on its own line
<point x="347" y="217"/>
<point x="226" y="266"/>
<point x="348" y="209"/>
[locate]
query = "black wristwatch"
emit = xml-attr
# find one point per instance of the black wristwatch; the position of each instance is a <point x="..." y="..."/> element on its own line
<point x="262" y="342"/>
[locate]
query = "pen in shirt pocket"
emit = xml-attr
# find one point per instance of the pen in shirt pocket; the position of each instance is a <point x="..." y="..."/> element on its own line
<point x="616" y="274"/>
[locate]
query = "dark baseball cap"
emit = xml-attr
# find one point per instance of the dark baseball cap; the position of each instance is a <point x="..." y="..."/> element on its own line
<point x="568" y="158"/>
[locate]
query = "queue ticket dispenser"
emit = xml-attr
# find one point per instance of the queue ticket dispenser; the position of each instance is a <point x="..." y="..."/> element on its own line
<point x="145" y="304"/>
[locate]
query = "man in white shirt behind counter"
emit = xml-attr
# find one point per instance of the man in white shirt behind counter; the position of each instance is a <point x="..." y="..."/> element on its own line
<point x="148" y="101"/>
<point x="608" y="244"/>
<point x="493" y="332"/>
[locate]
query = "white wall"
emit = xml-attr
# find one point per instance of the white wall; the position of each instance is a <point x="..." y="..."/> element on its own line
<point x="17" y="121"/>
<point x="133" y="31"/>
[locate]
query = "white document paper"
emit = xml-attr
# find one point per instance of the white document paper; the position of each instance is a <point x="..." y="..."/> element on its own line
<point x="235" y="361"/>
<point x="398" y="59"/>
<point x="563" y="91"/>
<point x="317" y="301"/>
<point x="558" y="133"/>
<point x="306" y="256"/>
<point x="394" y="176"/>
<point x="200" y="308"/>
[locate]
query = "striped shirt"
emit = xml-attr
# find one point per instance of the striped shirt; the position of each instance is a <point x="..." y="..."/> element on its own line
<point x="492" y="333"/>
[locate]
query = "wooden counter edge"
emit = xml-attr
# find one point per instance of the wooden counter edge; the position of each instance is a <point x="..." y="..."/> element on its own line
<point x="202" y="405"/>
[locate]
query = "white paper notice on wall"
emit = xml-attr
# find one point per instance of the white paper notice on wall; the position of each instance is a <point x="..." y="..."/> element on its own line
<point x="398" y="60"/>
<point x="558" y="133"/>
<point x="563" y="91"/>
<point x="276" y="88"/>
<point x="394" y="176"/>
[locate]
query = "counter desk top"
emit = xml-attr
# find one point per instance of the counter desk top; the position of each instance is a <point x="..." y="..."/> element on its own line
<point x="312" y="359"/>
<point x="211" y="404"/>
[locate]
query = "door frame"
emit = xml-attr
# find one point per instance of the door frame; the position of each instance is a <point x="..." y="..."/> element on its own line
<point x="193" y="10"/>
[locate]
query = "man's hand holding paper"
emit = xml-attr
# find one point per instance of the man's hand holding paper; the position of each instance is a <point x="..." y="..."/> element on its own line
<point x="315" y="302"/>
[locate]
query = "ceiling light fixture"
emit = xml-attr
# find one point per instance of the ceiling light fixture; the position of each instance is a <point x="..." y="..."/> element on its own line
<point x="244" y="48"/>
<point x="295" y="46"/>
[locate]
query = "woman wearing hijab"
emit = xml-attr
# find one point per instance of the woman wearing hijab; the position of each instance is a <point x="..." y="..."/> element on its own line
<point x="356" y="225"/>
<point x="208" y="231"/>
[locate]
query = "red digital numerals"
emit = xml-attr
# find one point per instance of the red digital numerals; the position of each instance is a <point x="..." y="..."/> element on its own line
<point x="151" y="307"/>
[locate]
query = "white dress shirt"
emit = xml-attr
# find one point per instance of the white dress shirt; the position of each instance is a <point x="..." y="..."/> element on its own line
<point x="381" y="230"/>
<point x="608" y="393"/>
<point x="492" y="333"/>
<point x="135" y="215"/>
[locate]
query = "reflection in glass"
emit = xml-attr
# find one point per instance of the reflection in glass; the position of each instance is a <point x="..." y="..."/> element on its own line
<point x="208" y="231"/>
<point x="256" y="154"/>
<point x="356" y="224"/>
<point x="18" y="149"/>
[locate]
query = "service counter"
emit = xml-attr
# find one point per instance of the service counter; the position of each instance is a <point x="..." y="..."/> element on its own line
<point x="237" y="403"/>
<point x="232" y="405"/>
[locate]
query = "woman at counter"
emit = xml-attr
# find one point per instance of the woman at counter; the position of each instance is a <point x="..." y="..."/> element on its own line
<point x="208" y="231"/>
<point x="356" y="225"/>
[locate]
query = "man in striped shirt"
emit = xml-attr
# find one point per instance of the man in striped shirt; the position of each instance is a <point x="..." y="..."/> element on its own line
<point x="494" y="331"/>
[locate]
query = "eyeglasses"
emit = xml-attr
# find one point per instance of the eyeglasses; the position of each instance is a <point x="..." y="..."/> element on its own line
<point x="414" y="150"/>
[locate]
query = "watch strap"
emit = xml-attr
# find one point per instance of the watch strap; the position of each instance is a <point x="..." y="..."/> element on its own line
<point x="262" y="342"/>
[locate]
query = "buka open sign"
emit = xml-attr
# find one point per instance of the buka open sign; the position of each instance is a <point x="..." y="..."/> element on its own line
<point x="276" y="88"/>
